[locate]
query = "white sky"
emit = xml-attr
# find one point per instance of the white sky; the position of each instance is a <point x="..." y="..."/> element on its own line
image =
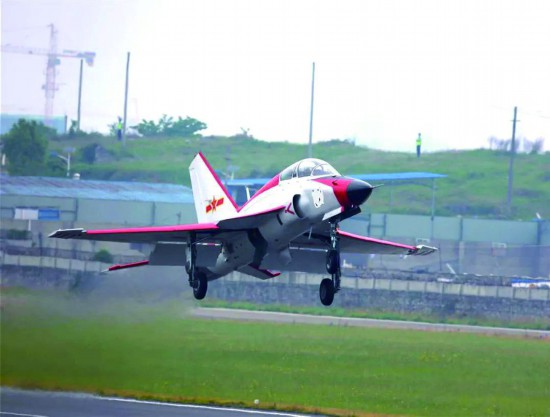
<point x="385" y="70"/>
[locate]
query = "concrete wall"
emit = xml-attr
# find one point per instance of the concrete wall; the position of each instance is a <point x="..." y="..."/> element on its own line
<point x="466" y="299"/>
<point x="438" y="299"/>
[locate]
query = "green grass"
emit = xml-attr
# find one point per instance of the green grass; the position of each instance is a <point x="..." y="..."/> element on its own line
<point x="476" y="183"/>
<point x="156" y="351"/>
<point x="538" y="324"/>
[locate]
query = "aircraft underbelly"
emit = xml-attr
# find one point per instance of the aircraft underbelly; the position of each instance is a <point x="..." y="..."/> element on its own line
<point x="236" y="251"/>
<point x="306" y="204"/>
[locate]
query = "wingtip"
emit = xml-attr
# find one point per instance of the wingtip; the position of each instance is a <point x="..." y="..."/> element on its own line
<point x="423" y="250"/>
<point x="67" y="233"/>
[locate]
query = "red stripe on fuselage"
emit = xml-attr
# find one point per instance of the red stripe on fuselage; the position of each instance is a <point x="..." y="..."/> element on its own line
<point x="152" y="229"/>
<point x="339" y="186"/>
<point x="273" y="182"/>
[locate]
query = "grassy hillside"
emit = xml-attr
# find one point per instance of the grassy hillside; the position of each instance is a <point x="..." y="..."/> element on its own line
<point x="476" y="184"/>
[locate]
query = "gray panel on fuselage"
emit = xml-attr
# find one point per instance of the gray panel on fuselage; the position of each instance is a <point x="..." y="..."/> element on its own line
<point x="173" y="254"/>
<point x="303" y="260"/>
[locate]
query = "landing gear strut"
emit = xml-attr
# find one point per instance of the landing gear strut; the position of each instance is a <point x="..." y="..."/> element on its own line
<point x="330" y="286"/>
<point x="197" y="278"/>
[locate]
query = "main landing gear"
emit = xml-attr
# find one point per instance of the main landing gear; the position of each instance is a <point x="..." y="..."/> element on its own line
<point x="330" y="286"/>
<point x="197" y="278"/>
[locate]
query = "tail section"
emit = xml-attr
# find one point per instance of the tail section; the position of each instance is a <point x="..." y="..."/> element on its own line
<point x="212" y="201"/>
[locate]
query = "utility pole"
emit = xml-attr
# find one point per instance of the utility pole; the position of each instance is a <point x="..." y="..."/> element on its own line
<point x="125" y="101"/>
<point x="511" y="168"/>
<point x="310" y="148"/>
<point x="79" y="96"/>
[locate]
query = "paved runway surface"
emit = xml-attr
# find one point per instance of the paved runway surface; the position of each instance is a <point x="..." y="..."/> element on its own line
<point x="246" y="315"/>
<point x="22" y="403"/>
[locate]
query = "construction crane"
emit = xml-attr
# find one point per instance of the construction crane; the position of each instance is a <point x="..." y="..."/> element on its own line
<point x="50" y="86"/>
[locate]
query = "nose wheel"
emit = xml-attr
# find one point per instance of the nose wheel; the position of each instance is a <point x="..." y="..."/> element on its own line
<point x="330" y="286"/>
<point x="200" y="285"/>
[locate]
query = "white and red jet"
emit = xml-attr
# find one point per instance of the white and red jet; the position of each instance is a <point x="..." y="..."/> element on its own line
<point x="290" y="224"/>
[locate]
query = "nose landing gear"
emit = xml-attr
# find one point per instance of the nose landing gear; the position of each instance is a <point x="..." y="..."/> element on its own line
<point x="330" y="286"/>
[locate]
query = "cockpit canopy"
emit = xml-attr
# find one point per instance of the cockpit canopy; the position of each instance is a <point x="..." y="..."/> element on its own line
<point x="309" y="167"/>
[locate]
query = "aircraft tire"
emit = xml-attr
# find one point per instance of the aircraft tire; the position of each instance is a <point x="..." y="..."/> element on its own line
<point x="333" y="261"/>
<point x="326" y="292"/>
<point x="201" y="286"/>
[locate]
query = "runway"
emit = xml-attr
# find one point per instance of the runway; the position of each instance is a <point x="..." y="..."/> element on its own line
<point x="23" y="403"/>
<point x="247" y="315"/>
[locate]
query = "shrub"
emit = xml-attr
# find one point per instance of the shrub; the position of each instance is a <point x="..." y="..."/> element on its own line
<point x="103" y="255"/>
<point x="17" y="234"/>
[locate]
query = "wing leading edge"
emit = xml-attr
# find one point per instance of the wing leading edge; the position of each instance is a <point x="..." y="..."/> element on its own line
<point x="178" y="233"/>
<point x="352" y="243"/>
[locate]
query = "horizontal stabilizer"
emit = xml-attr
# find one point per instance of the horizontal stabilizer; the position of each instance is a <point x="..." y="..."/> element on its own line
<point x="130" y="265"/>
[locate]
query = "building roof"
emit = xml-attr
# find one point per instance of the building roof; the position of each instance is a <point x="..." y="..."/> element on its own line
<point x="395" y="176"/>
<point x="93" y="189"/>
<point x="144" y="191"/>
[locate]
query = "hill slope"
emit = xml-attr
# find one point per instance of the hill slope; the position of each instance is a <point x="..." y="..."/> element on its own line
<point x="476" y="184"/>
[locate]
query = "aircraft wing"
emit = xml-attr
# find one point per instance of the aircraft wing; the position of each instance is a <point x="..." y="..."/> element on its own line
<point x="308" y="252"/>
<point x="352" y="243"/>
<point x="178" y="233"/>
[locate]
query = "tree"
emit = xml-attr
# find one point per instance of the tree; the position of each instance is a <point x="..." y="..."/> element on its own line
<point x="147" y="128"/>
<point x="185" y="127"/>
<point x="167" y="126"/>
<point x="25" y="146"/>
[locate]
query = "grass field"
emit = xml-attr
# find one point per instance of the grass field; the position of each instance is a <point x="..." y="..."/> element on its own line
<point x="476" y="182"/>
<point x="156" y="351"/>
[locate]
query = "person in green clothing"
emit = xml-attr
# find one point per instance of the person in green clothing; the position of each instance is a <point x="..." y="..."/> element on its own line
<point x="119" y="129"/>
<point x="418" y="145"/>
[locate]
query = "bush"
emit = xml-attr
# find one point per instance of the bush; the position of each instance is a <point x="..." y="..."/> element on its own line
<point x="103" y="255"/>
<point x="17" y="234"/>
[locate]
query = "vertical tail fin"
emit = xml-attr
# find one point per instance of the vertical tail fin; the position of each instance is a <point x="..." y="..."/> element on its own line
<point x="212" y="201"/>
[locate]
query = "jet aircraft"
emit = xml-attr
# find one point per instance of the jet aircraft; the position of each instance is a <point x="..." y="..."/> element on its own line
<point x="291" y="223"/>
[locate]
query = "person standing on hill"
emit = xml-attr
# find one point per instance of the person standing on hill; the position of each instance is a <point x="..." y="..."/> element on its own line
<point x="418" y="145"/>
<point x="119" y="129"/>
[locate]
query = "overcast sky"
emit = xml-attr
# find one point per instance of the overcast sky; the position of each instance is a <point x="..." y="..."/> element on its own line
<point x="385" y="70"/>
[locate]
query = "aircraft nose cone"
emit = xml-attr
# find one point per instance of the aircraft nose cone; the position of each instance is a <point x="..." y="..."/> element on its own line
<point x="358" y="192"/>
